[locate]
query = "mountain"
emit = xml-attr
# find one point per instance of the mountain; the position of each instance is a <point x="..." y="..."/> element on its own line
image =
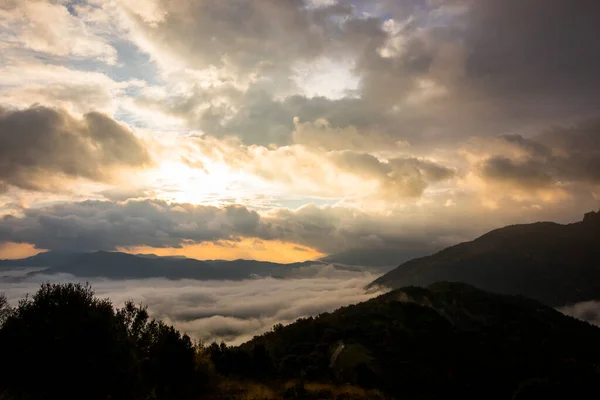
<point x="46" y="259"/>
<point x="116" y="265"/>
<point x="449" y="340"/>
<point x="553" y="263"/>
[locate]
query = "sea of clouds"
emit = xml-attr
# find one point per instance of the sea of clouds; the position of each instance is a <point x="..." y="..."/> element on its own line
<point x="235" y="311"/>
<point x="230" y="311"/>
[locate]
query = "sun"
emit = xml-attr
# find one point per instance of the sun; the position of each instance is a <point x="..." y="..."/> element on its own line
<point x="178" y="182"/>
<point x="204" y="182"/>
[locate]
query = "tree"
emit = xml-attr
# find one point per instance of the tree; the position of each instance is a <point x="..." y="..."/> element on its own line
<point x="170" y="365"/>
<point x="65" y="343"/>
<point x="262" y="364"/>
<point x="4" y="308"/>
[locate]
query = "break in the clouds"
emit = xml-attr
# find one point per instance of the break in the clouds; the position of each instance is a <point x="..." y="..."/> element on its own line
<point x="335" y="125"/>
<point x="223" y="310"/>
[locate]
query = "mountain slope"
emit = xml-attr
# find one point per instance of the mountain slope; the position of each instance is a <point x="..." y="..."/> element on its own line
<point x="46" y="259"/>
<point x="447" y="341"/>
<point x="553" y="263"/>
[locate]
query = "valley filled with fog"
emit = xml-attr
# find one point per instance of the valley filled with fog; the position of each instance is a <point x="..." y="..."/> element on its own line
<point x="232" y="311"/>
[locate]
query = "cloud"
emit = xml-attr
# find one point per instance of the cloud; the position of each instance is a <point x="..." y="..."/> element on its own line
<point x="122" y="194"/>
<point x="555" y="157"/>
<point x="431" y="74"/>
<point x="224" y="310"/>
<point x="528" y="174"/>
<point x="319" y="134"/>
<point x="53" y="28"/>
<point x="258" y="37"/>
<point x="224" y="110"/>
<point x="587" y="311"/>
<point x="542" y="56"/>
<point x="40" y="145"/>
<point x="27" y="82"/>
<point x="335" y="229"/>
<point x="418" y="226"/>
<point x="399" y="113"/>
<point x="105" y="225"/>
<point x="97" y="225"/>
<point x="490" y="74"/>
<point x="329" y="173"/>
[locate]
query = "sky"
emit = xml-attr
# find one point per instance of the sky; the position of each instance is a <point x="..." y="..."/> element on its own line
<point x="287" y="130"/>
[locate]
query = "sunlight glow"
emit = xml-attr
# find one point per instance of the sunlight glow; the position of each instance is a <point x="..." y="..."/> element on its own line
<point x="245" y="248"/>
<point x="200" y="182"/>
<point x="13" y="251"/>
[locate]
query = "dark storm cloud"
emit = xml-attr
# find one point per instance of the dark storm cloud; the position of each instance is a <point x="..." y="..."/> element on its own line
<point x="545" y="49"/>
<point x="40" y="144"/>
<point x="104" y="225"/>
<point x="95" y="225"/>
<point x="528" y="173"/>
<point x="576" y="150"/>
<point x="502" y="64"/>
<point x="559" y="155"/>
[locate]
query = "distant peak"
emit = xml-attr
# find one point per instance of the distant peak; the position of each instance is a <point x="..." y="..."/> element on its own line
<point x="592" y="216"/>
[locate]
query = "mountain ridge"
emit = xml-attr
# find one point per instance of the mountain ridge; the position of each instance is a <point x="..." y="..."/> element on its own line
<point x="554" y="263"/>
<point x="119" y="265"/>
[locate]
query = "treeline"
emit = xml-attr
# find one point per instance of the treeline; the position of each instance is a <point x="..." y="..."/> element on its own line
<point x="65" y="343"/>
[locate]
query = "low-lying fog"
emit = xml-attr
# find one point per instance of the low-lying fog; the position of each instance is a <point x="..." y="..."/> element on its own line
<point x="587" y="310"/>
<point x="233" y="311"/>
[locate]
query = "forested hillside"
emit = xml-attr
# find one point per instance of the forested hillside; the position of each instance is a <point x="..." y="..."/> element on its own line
<point x="446" y="341"/>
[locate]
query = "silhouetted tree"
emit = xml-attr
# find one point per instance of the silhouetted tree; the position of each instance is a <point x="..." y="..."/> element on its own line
<point x="262" y="364"/>
<point x="4" y="308"/>
<point x="167" y="359"/>
<point x="65" y="343"/>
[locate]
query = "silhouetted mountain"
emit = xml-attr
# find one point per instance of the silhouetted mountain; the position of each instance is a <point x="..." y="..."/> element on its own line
<point x="116" y="265"/>
<point x="553" y="263"/>
<point x="47" y="259"/>
<point x="155" y="256"/>
<point x="450" y="340"/>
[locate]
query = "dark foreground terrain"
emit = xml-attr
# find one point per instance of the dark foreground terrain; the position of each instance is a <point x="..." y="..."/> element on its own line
<point x="449" y="340"/>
